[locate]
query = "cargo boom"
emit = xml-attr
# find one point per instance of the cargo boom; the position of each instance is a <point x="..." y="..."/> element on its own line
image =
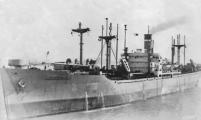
<point x="77" y="87"/>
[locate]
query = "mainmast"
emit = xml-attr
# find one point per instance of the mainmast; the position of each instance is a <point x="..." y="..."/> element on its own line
<point x="108" y="39"/>
<point x="81" y="31"/>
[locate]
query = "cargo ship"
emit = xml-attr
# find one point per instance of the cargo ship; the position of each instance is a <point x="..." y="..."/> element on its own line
<point x="28" y="91"/>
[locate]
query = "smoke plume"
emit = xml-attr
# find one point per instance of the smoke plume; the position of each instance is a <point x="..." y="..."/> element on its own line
<point x="169" y="24"/>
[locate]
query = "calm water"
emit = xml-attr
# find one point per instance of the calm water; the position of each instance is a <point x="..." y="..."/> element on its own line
<point x="179" y="106"/>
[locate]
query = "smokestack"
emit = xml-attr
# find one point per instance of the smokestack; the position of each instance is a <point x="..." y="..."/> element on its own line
<point x="148" y="46"/>
<point x="148" y="42"/>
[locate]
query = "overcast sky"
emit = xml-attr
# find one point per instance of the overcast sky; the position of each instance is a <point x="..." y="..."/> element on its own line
<point x="30" y="28"/>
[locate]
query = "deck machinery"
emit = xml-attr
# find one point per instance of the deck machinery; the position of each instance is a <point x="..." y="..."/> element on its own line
<point x="32" y="92"/>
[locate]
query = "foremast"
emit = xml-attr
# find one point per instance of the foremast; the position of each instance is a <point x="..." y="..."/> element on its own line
<point x="81" y="31"/>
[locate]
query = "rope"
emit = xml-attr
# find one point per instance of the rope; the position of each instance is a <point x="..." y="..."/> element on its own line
<point x="100" y="53"/>
<point x="113" y="53"/>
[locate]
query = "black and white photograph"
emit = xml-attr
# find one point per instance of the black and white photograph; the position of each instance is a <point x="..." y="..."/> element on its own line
<point x="100" y="60"/>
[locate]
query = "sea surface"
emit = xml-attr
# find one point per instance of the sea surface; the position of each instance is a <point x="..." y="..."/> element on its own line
<point x="184" y="105"/>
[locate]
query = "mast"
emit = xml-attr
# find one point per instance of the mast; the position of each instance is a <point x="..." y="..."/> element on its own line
<point x="125" y="29"/>
<point x="106" y="25"/>
<point x="179" y="46"/>
<point x="184" y="50"/>
<point x="173" y="49"/>
<point x="109" y="46"/>
<point x="149" y="59"/>
<point x="117" y="39"/>
<point x="81" y="31"/>
<point x="125" y="48"/>
<point x="108" y="39"/>
<point x="102" y="47"/>
<point x="178" y="50"/>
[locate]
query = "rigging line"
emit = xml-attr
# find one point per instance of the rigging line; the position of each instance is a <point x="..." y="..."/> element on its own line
<point x="100" y="53"/>
<point x="113" y="53"/>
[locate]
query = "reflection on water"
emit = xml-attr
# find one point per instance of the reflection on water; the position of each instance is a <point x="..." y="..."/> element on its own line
<point x="179" y="106"/>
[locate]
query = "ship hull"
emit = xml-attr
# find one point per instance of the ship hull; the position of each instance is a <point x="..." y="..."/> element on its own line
<point x="31" y="93"/>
